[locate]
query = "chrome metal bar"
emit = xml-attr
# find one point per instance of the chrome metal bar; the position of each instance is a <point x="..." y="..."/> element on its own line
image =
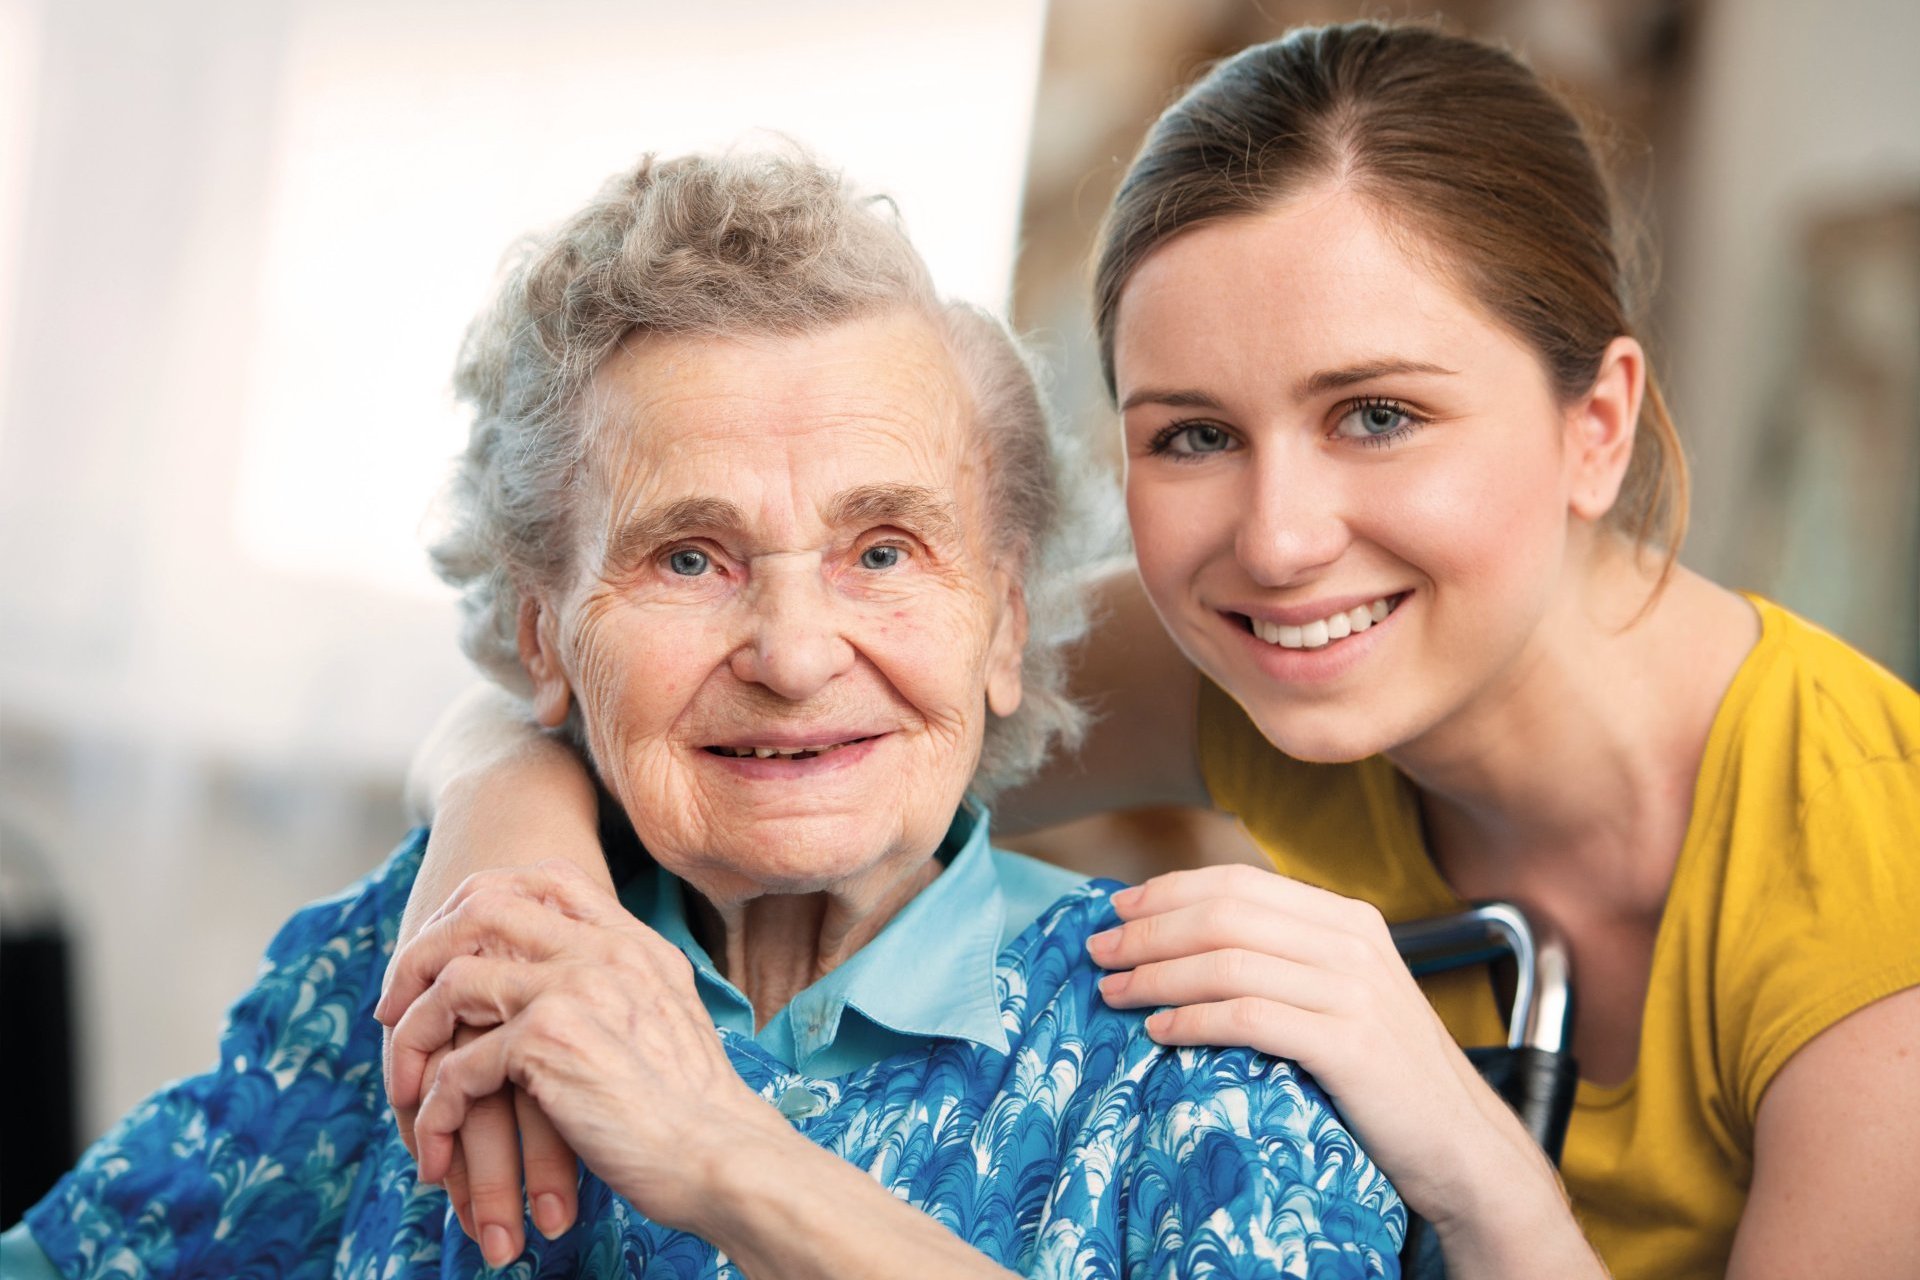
<point x="1543" y="991"/>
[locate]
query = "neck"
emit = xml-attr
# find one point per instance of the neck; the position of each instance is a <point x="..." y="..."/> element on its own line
<point x="1579" y="767"/>
<point x="776" y="945"/>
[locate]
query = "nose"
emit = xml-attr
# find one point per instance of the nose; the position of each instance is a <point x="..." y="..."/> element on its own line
<point x="796" y="643"/>
<point x="1295" y="521"/>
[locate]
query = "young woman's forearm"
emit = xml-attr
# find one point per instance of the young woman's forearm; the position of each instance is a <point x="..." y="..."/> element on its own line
<point x="1519" y="1227"/>
<point x="499" y="793"/>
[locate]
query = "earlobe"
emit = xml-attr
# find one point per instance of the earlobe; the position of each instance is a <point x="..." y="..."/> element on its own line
<point x="539" y="655"/>
<point x="1601" y="429"/>
<point x="1004" y="688"/>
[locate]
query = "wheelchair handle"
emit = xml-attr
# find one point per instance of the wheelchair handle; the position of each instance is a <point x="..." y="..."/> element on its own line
<point x="1543" y="983"/>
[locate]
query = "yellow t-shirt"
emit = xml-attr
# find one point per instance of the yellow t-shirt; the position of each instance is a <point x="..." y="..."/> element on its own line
<point x="1795" y="901"/>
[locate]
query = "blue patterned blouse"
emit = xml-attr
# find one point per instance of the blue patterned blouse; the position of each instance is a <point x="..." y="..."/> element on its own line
<point x="1084" y="1149"/>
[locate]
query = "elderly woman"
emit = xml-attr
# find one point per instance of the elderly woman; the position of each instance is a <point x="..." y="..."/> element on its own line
<point x="773" y="532"/>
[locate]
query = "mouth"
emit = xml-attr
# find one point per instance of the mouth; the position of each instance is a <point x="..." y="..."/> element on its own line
<point x="786" y="751"/>
<point x="1321" y="632"/>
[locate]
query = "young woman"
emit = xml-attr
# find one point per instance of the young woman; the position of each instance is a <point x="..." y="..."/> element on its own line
<point x="1406" y="503"/>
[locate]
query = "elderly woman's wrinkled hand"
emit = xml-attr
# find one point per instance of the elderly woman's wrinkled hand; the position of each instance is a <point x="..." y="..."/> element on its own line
<point x="589" y="1012"/>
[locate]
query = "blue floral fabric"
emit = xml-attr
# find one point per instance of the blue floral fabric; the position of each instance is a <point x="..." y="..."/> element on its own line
<point x="1087" y="1150"/>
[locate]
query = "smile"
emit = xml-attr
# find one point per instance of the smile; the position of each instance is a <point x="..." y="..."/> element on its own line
<point x="1321" y="632"/>
<point x="785" y="753"/>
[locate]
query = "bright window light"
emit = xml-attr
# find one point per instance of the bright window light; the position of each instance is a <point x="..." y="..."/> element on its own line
<point x="416" y="140"/>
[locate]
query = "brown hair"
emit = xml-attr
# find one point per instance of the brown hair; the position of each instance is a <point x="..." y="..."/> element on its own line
<point x="1453" y="141"/>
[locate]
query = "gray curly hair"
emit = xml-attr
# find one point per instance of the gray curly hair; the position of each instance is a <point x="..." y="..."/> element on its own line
<point x="768" y="244"/>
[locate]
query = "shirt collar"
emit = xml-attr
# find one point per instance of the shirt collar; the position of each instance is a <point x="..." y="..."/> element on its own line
<point x="928" y="973"/>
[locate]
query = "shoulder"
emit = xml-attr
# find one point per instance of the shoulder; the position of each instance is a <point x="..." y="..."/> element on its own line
<point x="250" y="1168"/>
<point x="1816" y="756"/>
<point x="324" y="967"/>
<point x="1826" y="703"/>
<point x="1804" y="848"/>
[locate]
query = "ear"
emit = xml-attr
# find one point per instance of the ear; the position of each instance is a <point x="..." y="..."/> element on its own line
<point x="1600" y="430"/>
<point x="540" y="655"/>
<point x="1004" y="650"/>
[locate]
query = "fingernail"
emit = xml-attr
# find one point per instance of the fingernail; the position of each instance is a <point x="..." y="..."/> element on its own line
<point x="549" y="1214"/>
<point x="1126" y="897"/>
<point x="496" y="1244"/>
<point x="1101" y="944"/>
<point x="1157" y="1022"/>
<point x="1114" y="985"/>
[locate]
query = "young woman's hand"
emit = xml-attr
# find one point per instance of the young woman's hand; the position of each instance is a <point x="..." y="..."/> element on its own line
<point x="1236" y="955"/>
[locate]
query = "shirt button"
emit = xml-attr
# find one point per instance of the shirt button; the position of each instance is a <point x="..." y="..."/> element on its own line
<point x="799" y="1103"/>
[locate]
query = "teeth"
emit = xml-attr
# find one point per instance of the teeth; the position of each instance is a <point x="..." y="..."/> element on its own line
<point x="1318" y="635"/>
<point x="784" y="753"/>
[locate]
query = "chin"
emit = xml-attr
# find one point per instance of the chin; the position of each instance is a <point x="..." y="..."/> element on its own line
<point x="1323" y="736"/>
<point x="798" y="855"/>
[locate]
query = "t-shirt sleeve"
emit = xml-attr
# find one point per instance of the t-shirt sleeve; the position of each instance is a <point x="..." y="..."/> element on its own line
<point x="247" y="1169"/>
<point x="1832" y="926"/>
<point x="1245" y="1169"/>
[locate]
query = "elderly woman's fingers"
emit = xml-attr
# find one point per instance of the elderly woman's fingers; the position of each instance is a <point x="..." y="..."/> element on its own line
<point x="496" y="920"/>
<point x="1222" y="923"/>
<point x="552" y="1169"/>
<point x="1229" y="974"/>
<point x="465" y="1076"/>
<point x="492" y="1153"/>
<point x="471" y="991"/>
<point x="455" y="1184"/>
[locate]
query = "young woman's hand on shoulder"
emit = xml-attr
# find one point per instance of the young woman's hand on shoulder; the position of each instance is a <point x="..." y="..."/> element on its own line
<point x="1240" y="956"/>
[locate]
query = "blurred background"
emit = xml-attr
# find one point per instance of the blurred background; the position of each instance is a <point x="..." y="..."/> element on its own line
<point x="239" y="240"/>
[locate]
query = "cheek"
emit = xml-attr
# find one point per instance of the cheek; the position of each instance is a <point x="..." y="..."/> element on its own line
<point x="1493" y="518"/>
<point x="1175" y="526"/>
<point x="632" y="674"/>
<point x="931" y="650"/>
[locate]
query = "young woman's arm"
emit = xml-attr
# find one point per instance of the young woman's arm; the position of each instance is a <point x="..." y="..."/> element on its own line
<point x="499" y="792"/>
<point x="1836" y="1154"/>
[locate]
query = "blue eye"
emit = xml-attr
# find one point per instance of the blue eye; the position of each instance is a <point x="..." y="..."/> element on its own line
<point x="1373" y="421"/>
<point x="881" y="556"/>
<point x="1189" y="439"/>
<point x="689" y="563"/>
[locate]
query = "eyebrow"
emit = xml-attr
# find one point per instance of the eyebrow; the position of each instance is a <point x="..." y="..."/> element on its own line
<point x="1354" y="374"/>
<point x="664" y="524"/>
<point x="1314" y="384"/>
<point x="913" y="507"/>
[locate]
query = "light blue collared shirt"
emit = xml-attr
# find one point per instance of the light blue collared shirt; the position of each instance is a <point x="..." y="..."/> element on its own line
<point x="928" y="974"/>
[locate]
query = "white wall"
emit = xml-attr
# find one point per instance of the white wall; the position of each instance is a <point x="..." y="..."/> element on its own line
<point x="216" y="646"/>
<point x="1799" y="108"/>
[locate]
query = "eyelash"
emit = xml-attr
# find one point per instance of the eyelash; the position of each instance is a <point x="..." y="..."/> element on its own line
<point x="1161" y="445"/>
<point x="1411" y="421"/>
